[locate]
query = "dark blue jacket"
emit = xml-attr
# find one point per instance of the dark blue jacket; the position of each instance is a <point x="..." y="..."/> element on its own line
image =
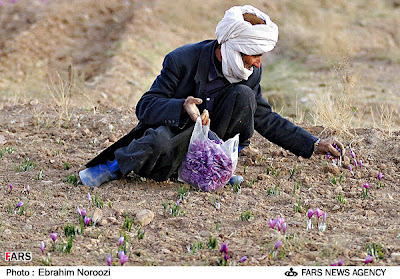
<point x="184" y="73"/>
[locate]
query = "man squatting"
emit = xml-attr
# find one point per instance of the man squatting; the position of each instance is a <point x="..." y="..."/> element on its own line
<point x="219" y="77"/>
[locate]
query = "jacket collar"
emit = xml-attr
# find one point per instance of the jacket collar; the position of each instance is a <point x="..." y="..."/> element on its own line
<point x="203" y="66"/>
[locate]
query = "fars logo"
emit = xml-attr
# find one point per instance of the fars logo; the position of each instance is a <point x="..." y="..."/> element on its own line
<point x="18" y="256"/>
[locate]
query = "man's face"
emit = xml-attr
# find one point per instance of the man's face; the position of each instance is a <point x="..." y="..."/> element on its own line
<point x="251" y="60"/>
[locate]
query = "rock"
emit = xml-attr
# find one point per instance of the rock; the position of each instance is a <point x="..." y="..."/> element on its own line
<point x="97" y="215"/>
<point x="112" y="220"/>
<point x="338" y="189"/>
<point x="112" y="138"/>
<point x="2" y="140"/>
<point x="28" y="226"/>
<point x="331" y="169"/>
<point x="103" y="222"/>
<point x="336" y="207"/>
<point x="204" y="233"/>
<point x="395" y="256"/>
<point x="145" y="217"/>
<point x="252" y="153"/>
<point x="7" y="231"/>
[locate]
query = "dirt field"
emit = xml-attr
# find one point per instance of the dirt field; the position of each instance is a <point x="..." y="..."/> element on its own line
<point x="46" y="140"/>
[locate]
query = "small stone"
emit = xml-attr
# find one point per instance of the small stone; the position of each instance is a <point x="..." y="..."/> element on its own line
<point x="145" y="217"/>
<point x="204" y="233"/>
<point x="166" y="251"/>
<point x="103" y="222"/>
<point x="97" y="215"/>
<point x="336" y="207"/>
<point x="112" y="138"/>
<point x="338" y="189"/>
<point x="395" y="256"/>
<point x="7" y="231"/>
<point x="112" y="220"/>
<point x="28" y="226"/>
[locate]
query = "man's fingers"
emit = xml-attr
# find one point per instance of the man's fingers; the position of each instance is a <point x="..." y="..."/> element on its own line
<point x="334" y="151"/>
<point x="205" y="117"/>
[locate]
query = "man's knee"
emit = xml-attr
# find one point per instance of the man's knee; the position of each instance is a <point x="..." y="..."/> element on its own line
<point x="244" y="94"/>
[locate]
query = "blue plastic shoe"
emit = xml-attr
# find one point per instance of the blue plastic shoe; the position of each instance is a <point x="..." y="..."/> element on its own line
<point x="236" y="180"/>
<point x="97" y="175"/>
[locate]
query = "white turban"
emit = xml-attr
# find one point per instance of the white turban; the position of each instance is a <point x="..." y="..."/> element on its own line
<point x="239" y="36"/>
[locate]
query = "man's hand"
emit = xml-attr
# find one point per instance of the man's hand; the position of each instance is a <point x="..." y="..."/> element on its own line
<point x="190" y="106"/>
<point x="326" y="145"/>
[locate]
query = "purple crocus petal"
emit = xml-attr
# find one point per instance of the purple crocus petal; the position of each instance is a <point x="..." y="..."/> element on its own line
<point x="380" y="175"/>
<point x="334" y="264"/>
<point x="366" y="185"/>
<point x="109" y="260"/>
<point x="243" y="259"/>
<point x="78" y="210"/>
<point x="121" y="240"/>
<point x="42" y="246"/>
<point x="83" y="212"/>
<point x="340" y="262"/>
<point x="53" y="236"/>
<point x="353" y="155"/>
<point x="224" y="248"/>
<point x="368" y="259"/>
<point x="278" y="244"/>
<point x="324" y="216"/>
<point x="11" y="186"/>
<point x="123" y="259"/>
<point x="226" y="257"/>
<point x="318" y="212"/>
<point x="21" y="203"/>
<point x="355" y="163"/>
<point x="272" y="223"/>
<point x="284" y="227"/>
<point x="28" y="189"/>
<point x="87" y="220"/>
<point x="360" y="163"/>
<point x="89" y="197"/>
<point x="310" y="213"/>
<point x="120" y="253"/>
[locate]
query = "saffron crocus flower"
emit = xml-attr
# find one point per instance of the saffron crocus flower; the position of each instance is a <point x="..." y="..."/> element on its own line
<point x="21" y="203"/>
<point x="368" y="259"/>
<point x="360" y="163"/>
<point x="224" y="248"/>
<point x="272" y="223"/>
<point x="42" y="246"/>
<point x="11" y="186"/>
<point x="53" y="236"/>
<point x="366" y="185"/>
<point x="121" y="240"/>
<point x="109" y="259"/>
<point x="355" y="163"/>
<point x="351" y="169"/>
<point x="243" y="259"/>
<point x="120" y="253"/>
<point x="87" y="220"/>
<point x="279" y="223"/>
<point x="226" y="257"/>
<point x="28" y="189"/>
<point x="340" y="262"/>
<point x="123" y="259"/>
<point x="324" y="216"/>
<point x="310" y="213"/>
<point x="318" y="212"/>
<point x="83" y="212"/>
<point x="278" y="244"/>
<point x="89" y="198"/>
<point x="353" y="155"/>
<point x="284" y="227"/>
<point x="380" y="175"/>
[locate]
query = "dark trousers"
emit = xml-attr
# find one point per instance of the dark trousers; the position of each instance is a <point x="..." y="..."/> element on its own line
<point x="160" y="151"/>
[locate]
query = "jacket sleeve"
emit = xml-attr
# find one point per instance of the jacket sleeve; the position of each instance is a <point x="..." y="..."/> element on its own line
<point x="158" y="106"/>
<point x="279" y="130"/>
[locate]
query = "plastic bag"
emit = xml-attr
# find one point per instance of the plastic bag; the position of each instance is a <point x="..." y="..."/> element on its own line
<point x="209" y="162"/>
